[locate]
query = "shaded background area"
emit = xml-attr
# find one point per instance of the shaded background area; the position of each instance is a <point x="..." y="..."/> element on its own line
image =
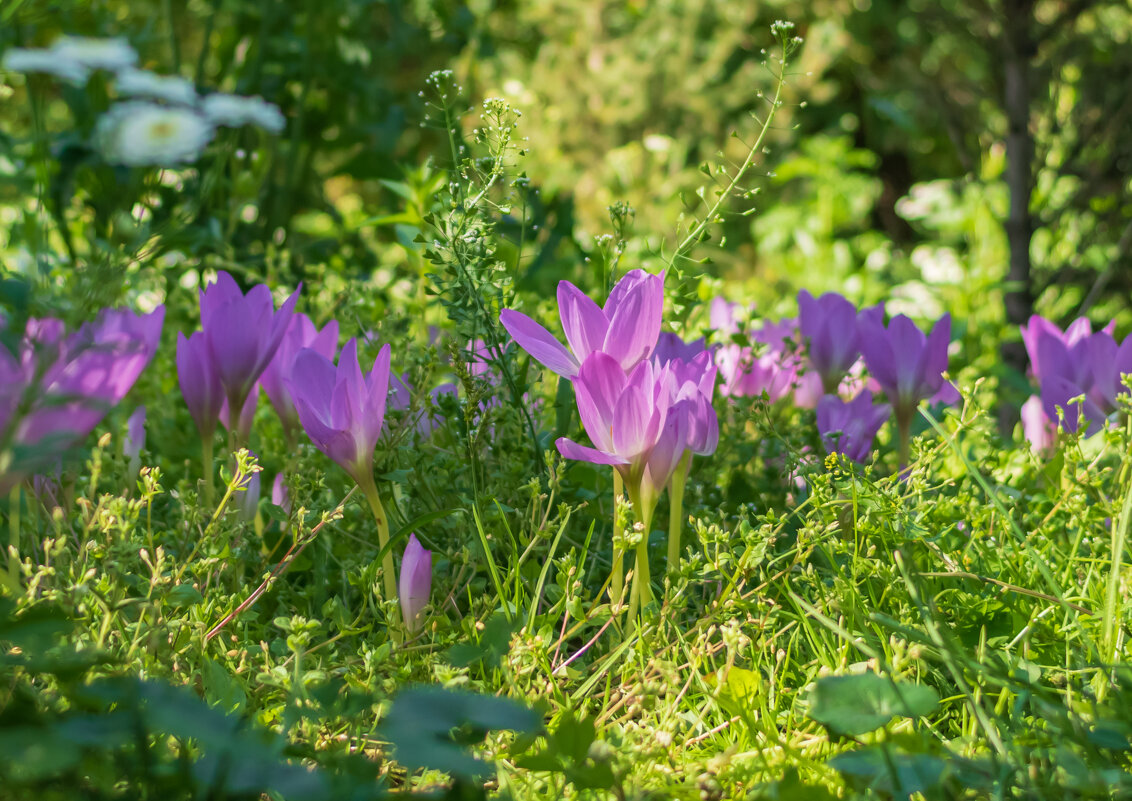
<point x="964" y="155"/>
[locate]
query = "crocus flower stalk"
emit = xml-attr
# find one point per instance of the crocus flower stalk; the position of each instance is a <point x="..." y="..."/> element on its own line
<point x="343" y="412"/>
<point x="248" y="502"/>
<point x="242" y="333"/>
<point x="415" y="583"/>
<point x="908" y="366"/>
<point x="626" y="328"/>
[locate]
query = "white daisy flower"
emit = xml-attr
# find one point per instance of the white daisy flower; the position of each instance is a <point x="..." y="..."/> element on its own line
<point x="23" y="59"/>
<point x="234" y="111"/>
<point x="139" y="133"/>
<point x="96" y="54"/>
<point x="143" y="83"/>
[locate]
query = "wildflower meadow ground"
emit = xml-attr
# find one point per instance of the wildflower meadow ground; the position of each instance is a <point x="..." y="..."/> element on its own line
<point x="327" y="477"/>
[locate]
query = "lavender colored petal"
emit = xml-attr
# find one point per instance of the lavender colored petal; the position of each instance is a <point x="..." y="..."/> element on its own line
<point x="583" y="322"/>
<point x="415" y="582"/>
<point x="200" y="386"/>
<point x="539" y="343"/>
<point x="572" y="450"/>
<point x="377" y="389"/>
<point x="635" y="326"/>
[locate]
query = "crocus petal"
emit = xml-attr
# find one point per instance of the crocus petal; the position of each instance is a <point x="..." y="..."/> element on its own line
<point x="1037" y="428"/>
<point x="1057" y="391"/>
<point x="572" y="450"/>
<point x="599" y="384"/>
<point x="907" y="342"/>
<point x="135" y="434"/>
<point x="631" y="418"/>
<point x="377" y="389"/>
<point x="539" y="343"/>
<point x="583" y="322"/>
<point x="200" y="385"/>
<point x="415" y="582"/>
<point x="312" y="381"/>
<point x="879" y="358"/>
<point x="635" y="326"/>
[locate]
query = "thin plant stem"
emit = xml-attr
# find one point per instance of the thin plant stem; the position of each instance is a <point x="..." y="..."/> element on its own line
<point x="904" y="437"/>
<point x="206" y="466"/>
<point x="676" y="510"/>
<point x="1113" y="607"/>
<point x="388" y="573"/>
<point x="640" y="594"/>
<point x="14" y="537"/>
<point x="617" y="574"/>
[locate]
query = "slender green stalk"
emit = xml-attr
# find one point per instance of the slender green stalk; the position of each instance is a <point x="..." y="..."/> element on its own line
<point x="206" y="465"/>
<point x="14" y="537"/>
<point x="676" y="510"/>
<point x="617" y="576"/>
<point x="904" y="437"/>
<point x="640" y="594"/>
<point x="388" y="572"/>
<point x="1113" y="607"/>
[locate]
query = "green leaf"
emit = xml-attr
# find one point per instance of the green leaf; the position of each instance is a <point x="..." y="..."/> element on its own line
<point x="423" y="721"/>
<point x="739" y="691"/>
<point x="184" y="595"/>
<point x="858" y="704"/>
<point x="896" y="773"/>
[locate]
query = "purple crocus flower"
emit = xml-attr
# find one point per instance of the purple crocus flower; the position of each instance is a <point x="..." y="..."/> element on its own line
<point x="727" y="317"/>
<point x="135" y="434"/>
<point x="1091" y="367"/>
<point x="626" y="328"/>
<point x="1074" y="339"/>
<point x="906" y="364"/>
<point x="1037" y="428"/>
<point x="849" y="427"/>
<point x="774" y="370"/>
<point x="69" y="383"/>
<point x="242" y="333"/>
<point x="401" y="400"/>
<point x="301" y="333"/>
<point x="95" y="368"/>
<point x="342" y="410"/>
<point x="669" y="346"/>
<point x="415" y="583"/>
<point x="691" y="385"/>
<point x="1107" y="363"/>
<point x="626" y="418"/>
<point x="200" y="383"/>
<point x="830" y="325"/>
<point x="280" y="496"/>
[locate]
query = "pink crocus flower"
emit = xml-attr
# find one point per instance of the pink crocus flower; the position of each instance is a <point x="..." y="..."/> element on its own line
<point x="342" y="410"/>
<point x="301" y="333"/>
<point x="415" y="582"/>
<point x="626" y="328"/>
<point x="242" y="333"/>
